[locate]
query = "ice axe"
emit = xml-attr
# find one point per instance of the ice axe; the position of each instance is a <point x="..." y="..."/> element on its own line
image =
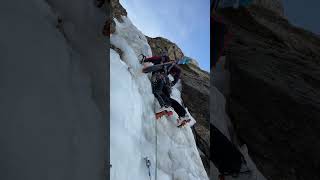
<point x="143" y="58"/>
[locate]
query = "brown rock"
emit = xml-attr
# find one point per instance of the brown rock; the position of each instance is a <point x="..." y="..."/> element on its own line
<point x="117" y="10"/>
<point x="109" y="27"/>
<point x="159" y="45"/>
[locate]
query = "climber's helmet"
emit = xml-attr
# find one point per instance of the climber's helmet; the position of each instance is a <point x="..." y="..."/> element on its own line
<point x="184" y="60"/>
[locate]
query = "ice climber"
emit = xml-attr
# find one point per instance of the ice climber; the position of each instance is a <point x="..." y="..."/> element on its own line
<point x="161" y="88"/>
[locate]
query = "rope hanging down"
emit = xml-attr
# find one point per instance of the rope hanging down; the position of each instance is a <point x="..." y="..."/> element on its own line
<point x="156" y="163"/>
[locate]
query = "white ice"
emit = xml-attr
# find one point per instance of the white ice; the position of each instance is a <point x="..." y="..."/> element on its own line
<point x="133" y="124"/>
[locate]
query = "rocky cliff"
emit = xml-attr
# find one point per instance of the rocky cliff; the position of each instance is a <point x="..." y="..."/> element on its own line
<point x="274" y="100"/>
<point x="272" y="5"/>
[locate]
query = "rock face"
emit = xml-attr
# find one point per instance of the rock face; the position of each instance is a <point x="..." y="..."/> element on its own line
<point x="273" y="5"/>
<point x="116" y="12"/>
<point x="160" y="45"/>
<point x="195" y="92"/>
<point x="274" y="100"/>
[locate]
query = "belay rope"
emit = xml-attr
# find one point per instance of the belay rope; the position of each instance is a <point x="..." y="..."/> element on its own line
<point x="156" y="163"/>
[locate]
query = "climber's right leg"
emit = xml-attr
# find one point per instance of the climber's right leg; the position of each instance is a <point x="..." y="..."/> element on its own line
<point x="157" y="89"/>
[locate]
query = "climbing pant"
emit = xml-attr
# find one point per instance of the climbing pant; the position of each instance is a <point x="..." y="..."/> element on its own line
<point x="179" y="109"/>
<point x="160" y="89"/>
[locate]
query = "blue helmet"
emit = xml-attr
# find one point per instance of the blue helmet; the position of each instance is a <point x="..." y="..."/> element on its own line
<point x="185" y="60"/>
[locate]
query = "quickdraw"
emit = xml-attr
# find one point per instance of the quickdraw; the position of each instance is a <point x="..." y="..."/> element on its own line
<point x="148" y="164"/>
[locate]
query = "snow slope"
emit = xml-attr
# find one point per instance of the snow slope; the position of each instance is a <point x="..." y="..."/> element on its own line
<point x="133" y="124"/>
<point x="51" y="124"/>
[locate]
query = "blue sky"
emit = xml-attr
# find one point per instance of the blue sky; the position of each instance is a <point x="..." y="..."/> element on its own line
<point x="186" y="23"/>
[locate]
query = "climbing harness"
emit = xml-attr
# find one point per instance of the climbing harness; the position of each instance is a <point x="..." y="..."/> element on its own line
<point x="148" y="164"/>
